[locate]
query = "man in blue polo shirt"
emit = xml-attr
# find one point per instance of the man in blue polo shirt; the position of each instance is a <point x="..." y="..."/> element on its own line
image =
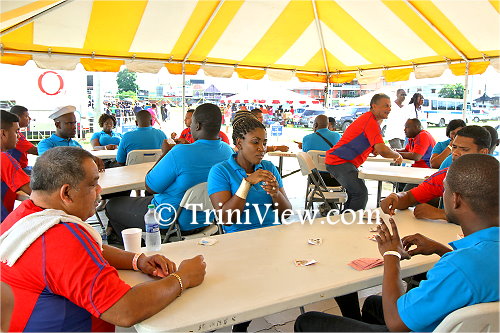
<point x="65" y="122"/>
<point x="322" y="138"/>
<point x="144" y="137"/>
<point x="182" y="168"/>
<point x="466" y="274"/>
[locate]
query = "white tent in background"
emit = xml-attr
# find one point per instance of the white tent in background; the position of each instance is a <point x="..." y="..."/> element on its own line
<point x="270" y="96"/>
<point x="365" y="99"/>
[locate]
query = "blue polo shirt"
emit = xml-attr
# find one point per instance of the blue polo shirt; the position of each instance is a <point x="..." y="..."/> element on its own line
<point x="140" y="138"/>
<point x="55" y="141"/>
<point x="441" y="146"/>
<point x="314" y="142"/>
<point x="107" y="139"/>
<point x="446" y="163"/>
<point x="227" y="176"/>
<point x="466" y="276"/>
<point x="182" y="168"/>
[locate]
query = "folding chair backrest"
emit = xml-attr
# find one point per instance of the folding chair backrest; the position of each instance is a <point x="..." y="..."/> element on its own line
<point x="306" y="163"/>
<point x="481" y="317"/>
<point x="197" y="195"/>
<point x="143" y="156"/>
<point x="318" y="157"/>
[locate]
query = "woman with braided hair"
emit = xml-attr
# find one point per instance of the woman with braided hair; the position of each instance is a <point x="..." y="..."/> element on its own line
<point x="247" y="189"/>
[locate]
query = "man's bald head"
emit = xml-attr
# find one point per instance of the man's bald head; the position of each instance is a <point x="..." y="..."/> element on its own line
<point x="320" y="122"/>
<point x="474" y="177"/>
<point x="143" y="118"/>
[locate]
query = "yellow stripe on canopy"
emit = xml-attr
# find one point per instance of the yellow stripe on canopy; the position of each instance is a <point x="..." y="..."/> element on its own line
<point x="119" y="22"/>
<point x="101" y="65"/>
<point x="342" y="78"/>
<point x="177" y="69"/>
<point x="395" y="75"/>
<point x="474" y="68"/>
<point x="254" y="74"/>
<point x="439" y="19"/>
<point x="354" y="34"/>
<point x="14" y="59"/>
<point x="283" y="33"/>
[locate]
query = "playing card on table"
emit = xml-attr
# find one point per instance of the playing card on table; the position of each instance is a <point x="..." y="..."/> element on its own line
<point x="362" y="264"/>
<point x="314" y="241"/>
<point x="207" y="241"/>
<point x="304" y="262"/>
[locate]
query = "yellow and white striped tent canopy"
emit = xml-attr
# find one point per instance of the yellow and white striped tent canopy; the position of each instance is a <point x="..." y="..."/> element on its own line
<point x="311" y="39"/>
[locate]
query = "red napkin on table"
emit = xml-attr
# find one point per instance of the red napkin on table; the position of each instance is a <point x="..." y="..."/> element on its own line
<point x="362" y="264"/>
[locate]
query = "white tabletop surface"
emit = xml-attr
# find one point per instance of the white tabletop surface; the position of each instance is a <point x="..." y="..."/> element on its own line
<point x="104" y="154"/>
<point x="282" y="153"/>
<point x="379" y="158"/>
<point x="399" y="174"/>
<point x="130" y="177"/>
<point x="252" y="274"/>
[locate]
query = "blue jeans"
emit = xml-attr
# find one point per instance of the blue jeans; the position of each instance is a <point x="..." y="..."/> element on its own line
<point x="347" y="175"/>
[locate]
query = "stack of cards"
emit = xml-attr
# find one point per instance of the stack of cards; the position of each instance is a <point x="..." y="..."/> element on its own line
<point x="304" y="262"/>
<point x="362" y="264"/>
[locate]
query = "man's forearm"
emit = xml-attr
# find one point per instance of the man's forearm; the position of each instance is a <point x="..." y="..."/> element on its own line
<point x="117" y="258"/>
<point x="411" y="156"/>
<point x="392" y="289"/>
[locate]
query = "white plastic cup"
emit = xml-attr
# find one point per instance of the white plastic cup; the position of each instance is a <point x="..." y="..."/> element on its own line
<point x="132" y="239"/>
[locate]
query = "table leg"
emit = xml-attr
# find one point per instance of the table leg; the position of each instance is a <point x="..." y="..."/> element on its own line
<point x="379" y="193"/>
<point x="302" y="311"/>
<point x="280" y="166"/>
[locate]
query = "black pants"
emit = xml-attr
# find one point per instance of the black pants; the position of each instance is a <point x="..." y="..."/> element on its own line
<point x="128" y="212"/>
<point x="372" y="320"/>
<point x="348" y="304"/>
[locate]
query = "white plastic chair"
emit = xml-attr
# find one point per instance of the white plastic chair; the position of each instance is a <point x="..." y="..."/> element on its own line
<point x="143" y="156"/>
<point x="196" y="195"/>
<point x="318" y="157"/>
<point x="481" y="317"/>
<point x="318" y="192"/>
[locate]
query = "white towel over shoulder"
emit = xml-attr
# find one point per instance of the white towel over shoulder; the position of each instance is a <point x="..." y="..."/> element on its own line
<point x="24" y="232"/>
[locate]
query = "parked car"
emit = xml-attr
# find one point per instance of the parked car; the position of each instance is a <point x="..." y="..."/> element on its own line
<point x="348" y="115"/>
<point x="307" y="115"/>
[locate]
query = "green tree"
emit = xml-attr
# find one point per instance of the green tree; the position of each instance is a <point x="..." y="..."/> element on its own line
<point x="127" y="94"/>
<point x="452" y="91"/>
<point x="126" y="81"/>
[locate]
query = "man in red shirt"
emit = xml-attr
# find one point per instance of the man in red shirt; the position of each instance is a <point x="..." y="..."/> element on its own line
<point x="13" y="176"/>
<point x="186" y="137"/>
<point x="23" y="147"/>
<point x="469" y="140"/>
<point x="420" y="144"/>
<point x="62" y="277"/>
<point x="360" y="139"/>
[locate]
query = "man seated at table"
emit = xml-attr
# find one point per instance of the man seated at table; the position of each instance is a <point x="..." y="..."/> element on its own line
<point x="419" y="146"/>
<point x="23" y="146"/>
<point x="182" y="168"/>
<point x="360" y="139"/>
<point x="469" y="140"/>
<point x="466" y="274"/>
<point x="322" y="139"/>
<point x="62" y="277"/>
<point x="186" y="136"/>
<point x="258" y="114"/>
<point x="493" y="145"/>
<point x="65" y="122"/>
<point x="13" y="176"/>
<point x="144" y="137"/>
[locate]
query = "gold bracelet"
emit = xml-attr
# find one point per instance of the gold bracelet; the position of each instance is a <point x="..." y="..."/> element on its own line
<point x="180" y="282"/>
